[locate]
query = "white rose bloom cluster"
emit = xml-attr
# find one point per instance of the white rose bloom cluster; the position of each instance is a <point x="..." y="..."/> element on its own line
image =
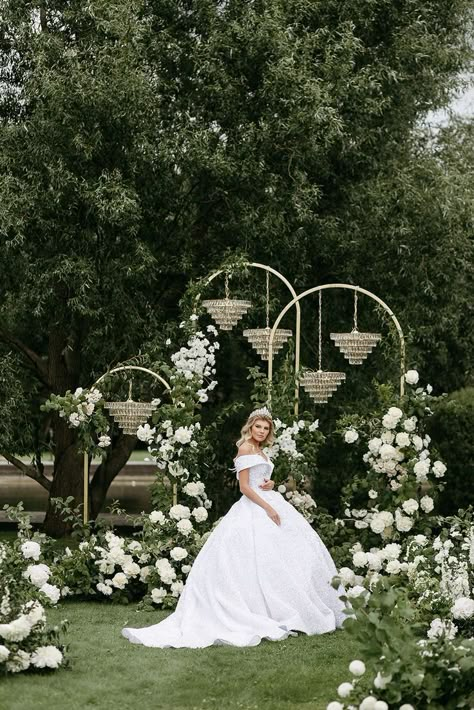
<point x="303" y="502"/>
<point x="165" y="570"/>
<point x="197" y="360"/>
<point x="31" y="550"/>
<point x="195" y="489"/>
<point x="286" y="438"/>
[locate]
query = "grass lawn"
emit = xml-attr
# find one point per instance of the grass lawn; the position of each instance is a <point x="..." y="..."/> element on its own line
<point x="108" y="672"/>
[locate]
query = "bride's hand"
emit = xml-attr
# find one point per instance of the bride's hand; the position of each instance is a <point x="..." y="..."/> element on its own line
<point x="268" y="485"/>
<point x="273" y="515"/>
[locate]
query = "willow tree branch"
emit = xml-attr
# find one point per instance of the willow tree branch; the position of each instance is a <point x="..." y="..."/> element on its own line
<point x="36" y="361"/>
<point x="29" y="471"/>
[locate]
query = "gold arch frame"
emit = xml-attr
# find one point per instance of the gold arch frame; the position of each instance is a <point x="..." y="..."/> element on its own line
<point x="315" y="289"/>
<point x="86" y="454"/>
<point x="294" y="301"/>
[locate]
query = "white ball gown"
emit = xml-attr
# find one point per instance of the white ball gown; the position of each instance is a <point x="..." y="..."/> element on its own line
<point x="252" y="579"/>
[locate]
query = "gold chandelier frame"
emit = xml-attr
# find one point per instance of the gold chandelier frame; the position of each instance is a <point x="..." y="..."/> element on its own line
<point x="86" y="453"/>
<point x="295" y="302"/>
<point x="272" y="340"/>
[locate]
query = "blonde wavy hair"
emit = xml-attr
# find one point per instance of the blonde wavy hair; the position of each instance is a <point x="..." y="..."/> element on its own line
<point x="245" y="434"/>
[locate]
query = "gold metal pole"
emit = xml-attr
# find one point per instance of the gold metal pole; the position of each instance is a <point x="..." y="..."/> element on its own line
<point x="276" y="273"/>
<point x="85" y="515"/>
<point x="175" y="493"/>
<point x="352" y="288"/>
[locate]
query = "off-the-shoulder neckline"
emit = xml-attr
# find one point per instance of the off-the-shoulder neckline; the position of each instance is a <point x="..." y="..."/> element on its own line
<point x="264" y="457"/>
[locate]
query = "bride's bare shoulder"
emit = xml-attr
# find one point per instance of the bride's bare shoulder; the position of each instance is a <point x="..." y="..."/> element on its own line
<point x="245" y="449"/>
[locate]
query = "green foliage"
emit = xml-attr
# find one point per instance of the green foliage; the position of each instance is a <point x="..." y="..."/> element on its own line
<point x="451" y="427"/>
<point x="425" y="673"/>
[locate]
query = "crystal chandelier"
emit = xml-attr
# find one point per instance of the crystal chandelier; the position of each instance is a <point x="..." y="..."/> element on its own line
<point x="322" y="384"/>
<point x="226" y="311"/>
<point x="355" y="346"/>
<point x="259" y="338"/>
<point x="130" y="414"/>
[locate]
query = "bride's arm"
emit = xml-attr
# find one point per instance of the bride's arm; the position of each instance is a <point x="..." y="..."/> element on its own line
<point x="253" y="496"/>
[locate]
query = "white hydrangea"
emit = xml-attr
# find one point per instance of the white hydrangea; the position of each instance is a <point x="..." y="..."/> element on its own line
<point x="46" y="657"/>
<point x="31" y="550"/>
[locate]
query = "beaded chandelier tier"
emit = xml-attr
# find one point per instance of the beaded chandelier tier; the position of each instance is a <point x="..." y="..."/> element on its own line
<point x="130" y="414"/>
<point x="226" y="311"/>
<point x="355" y="346"/>
<point x="259" y="338"/>
<point x="322" y="384"/>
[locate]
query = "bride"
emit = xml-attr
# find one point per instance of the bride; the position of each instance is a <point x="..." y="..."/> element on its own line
<point x="263" y="573"/>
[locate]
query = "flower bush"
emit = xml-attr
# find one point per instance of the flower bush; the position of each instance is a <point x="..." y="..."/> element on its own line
<point x="26" y="642"/>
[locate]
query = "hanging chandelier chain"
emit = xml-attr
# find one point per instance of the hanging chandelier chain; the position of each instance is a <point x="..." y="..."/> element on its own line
<point x="227" y="295"/>
<point x="355" y="310"/>
<point x="268" y="301"/>
<point x="320" y="339"/>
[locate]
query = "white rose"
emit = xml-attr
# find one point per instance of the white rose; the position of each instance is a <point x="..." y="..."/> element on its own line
<point x="381" y="681"/>
<point x="359" y="559"/>
<point x="145" y="432"/>
<point x="4" y="653"/>
<point x="357" y="591"/>
<point x="74" y="419"/>
<point x="380" y="705"/>
<point x="185" y="526"/>
<point x="178" y="553"/>
<point x="411" y="377"/>
<point x="410" y="506"/>
<point x="347" y="576"/>
<point x="357" y="668"/>
<point x="345" y="689"/>
<point x="334" y="706"/>
<point x="427" y="504"/>
<point x="421" y="470"/>
<point x="119" y="580"/>
<point x="374" y="561"/>
<point x="31" y="550"/>
<point x="351" y="436"/>
<point x="417" y="442"/>
<point x="282" y="489"/>
<point x="373" y="494"/>
<point x="420" y="539"/>
<point x="156" y="516"/>
<point x="104" y="441"/>
<point x="374" y="445"/>
<point x="158" y="595"/>
<point x="440" y="628"/>
<point x="387" y="452"/>
<point x="368" y="703"/>
<point x="402" y="439"/>
<point x="200" y="514"/>
<point x="439" y="469"/>
<point x="183" y="435"/>
<point x="402" y="522"/>
<point x="391" y="551"/>
<point x="37" y="574"/>
<point x="395" y="412"/>
<point x="177" y="512"/>
<point x="410" y="424"/>
<point x="387" y="437"/>
<point x="393" y="567"/>
<point x="177" y="588"/>
<point x="406" y="706"/>
<point x="389" y="422"/>
<point x="463" y="608"/>
<point x="52" y="592"/>
<point x="131" y="569"/>
<point x="194" y="488"/>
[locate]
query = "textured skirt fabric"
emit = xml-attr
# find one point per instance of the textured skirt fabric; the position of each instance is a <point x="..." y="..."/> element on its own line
<point x="252" y="580"/>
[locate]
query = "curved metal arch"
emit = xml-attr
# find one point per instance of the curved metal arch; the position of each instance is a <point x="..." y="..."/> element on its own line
<point x="86" y="455"/>
<point x="295" y="301"/>
<point x="352" y="288"/>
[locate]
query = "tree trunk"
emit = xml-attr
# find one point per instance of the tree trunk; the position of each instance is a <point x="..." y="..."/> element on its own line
<point x="108" y="470"/>
<point x="67" y="481"/>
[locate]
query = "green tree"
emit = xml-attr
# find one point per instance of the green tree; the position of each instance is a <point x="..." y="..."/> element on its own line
<point x="142" y="141"/>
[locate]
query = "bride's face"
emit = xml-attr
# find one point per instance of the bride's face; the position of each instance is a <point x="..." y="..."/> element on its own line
<point x="260" y="430"/>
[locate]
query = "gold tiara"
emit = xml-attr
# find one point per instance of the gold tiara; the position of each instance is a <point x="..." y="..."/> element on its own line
<point x="263" y="412"/>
